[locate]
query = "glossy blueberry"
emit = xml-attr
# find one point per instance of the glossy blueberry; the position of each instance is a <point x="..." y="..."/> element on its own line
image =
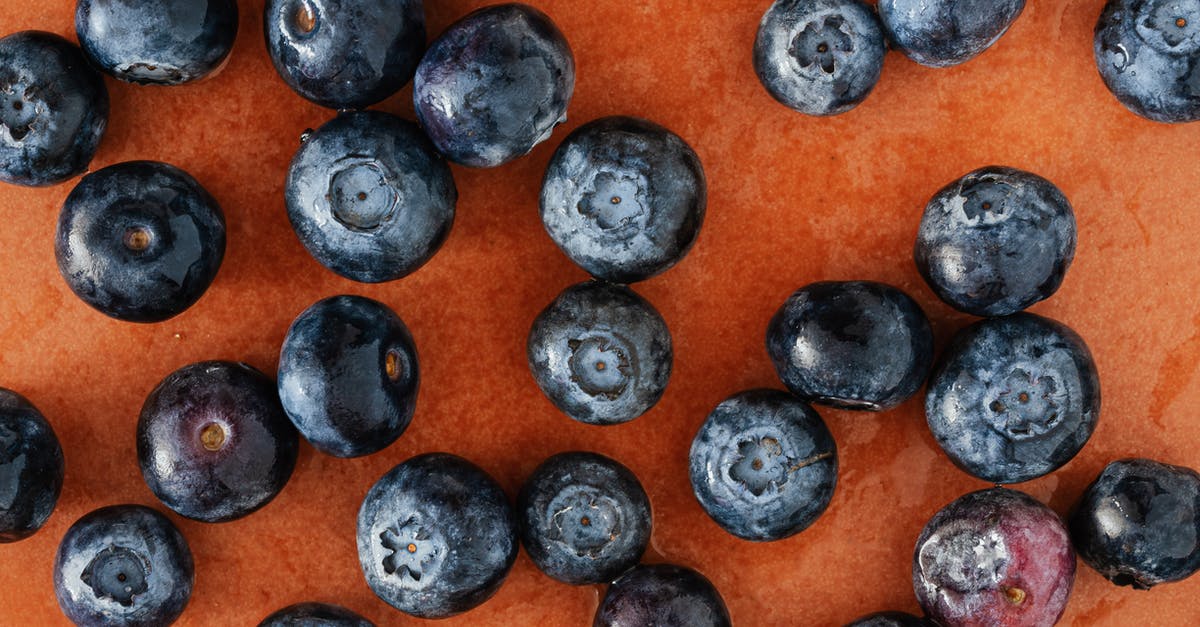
<point x="1013" y="398"/>
<point x="890" y="619"/>
<point x="663" y="595"/>
<point x="140" y="241"/>
<point x="584" y="518"/>
<point x="1147" y="52"/>
<point x="31" y="468"/>
<point x="436" y="536"/>
<point x="494" y="85"/>
<point x="345" y="54"/>
<point x="996" y="241"/>
<point x="158" y="42"/>
<point x="315" y="615"/>
<point x="53" y="109"/>
<point x="369" y="197"/>
<point x="820" y="57"/>
<point x="941" y="33"/>
<point x="624" y="198"/>
<point x="1138" y="523"/>
<point x="995" y="557"/>
<point x="348" y="375"/>
<point x="600" y="353"/>
<point x="851" y="344"/>
<point x="763" y="465"/>
<point x="123" y="565"/>
<point x="213" y="442"/>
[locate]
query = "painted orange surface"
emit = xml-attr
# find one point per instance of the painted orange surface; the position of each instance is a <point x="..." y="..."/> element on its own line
<point x="792" y="200"/>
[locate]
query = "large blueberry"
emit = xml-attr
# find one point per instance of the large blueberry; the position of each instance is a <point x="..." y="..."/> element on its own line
<point x="600" y="353"/>
<point x="315" y="615"/>
<point x="763" y="465"/>
<point x="1013" y="398"/>
<point x="348" y="375"/>
<point x="345" y="54"/>
<point x="1138" y="523"/>
<point x="140" y="241"/>
<point x="123" y="565"/>
<point x="996" y="241"/>
<point x="1148" y="52"/>
<point x="31" y="468"/>
<point x="159" y="42"/>
<point x="941" y="33"/>
<point x="494" y="85"/>
<point x="820" y="57"/>
<point x="624" y="198"/>
<point x="436" y="536"/>
<point x="663" y="595"/>
<point x="584" y="518"/>
<point x="369" y="197"/>
<point x="213" y="442"/>
<point x="53" y="109"/>
<point x="851" y="344"/>
<point x="890" y="619"/>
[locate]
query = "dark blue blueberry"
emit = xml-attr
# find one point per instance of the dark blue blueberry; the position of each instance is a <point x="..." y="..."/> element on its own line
<point x="624" y="198"/>
<point x="436" y="536"/>
<point x="890" y="619"/>
<point x="315" y="615"/>
<point x="662" y="595"/>
<point x="140" y="241"/>
<point x="820" y="57"/>
<point x="584" y="518"/>
<point x="53" y="109"/>
<point x="369" y="197"/>
<point x="1138" y="523"/>
<point x="763" y="465"/>
<point x="31" y="468"/>
<point x="213" y="442"/>
<point x="1013" y="398"/>
<point x="941" y="33"/>
<point x="348" y="375"/>
<point x="494" y="85"/>
<point x="851" y="344"/>
<point x="996" y="241"/>
<point x="158" y="42"/>
<point x="345" y="54"/>
<point x="600" y="353"/>
<point x="1148" y="53"/>
<point x="123" y="565"/>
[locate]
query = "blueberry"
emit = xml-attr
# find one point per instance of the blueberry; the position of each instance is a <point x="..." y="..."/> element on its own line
<point x="890" y="619"/>
<point x="436" y="536"/>
<point x="994" y="557"/>
<point x="140" y="241"/>
<point x="624" y="198"/>
<point x="494" y="85"/>
<point x="820" y="57"/>
<point x="369" y="197"/>
<point x="213" y="442"/>
<point x="941" y="33"/>
<point x="996" y="241"/>
<point x="1147" y="52"/>
<point x="348" y="375"/>
<point x="1013" y="398"/>
<point x="763" y="465"/>
<point x="851" y="344"/>
<point x="123" y="565"/>
<point x="53" y="109"/>
<point x="663" y="595"/>
<point x="31" y="468"/>
<point x="600" y="353"/>
<point x="157" y="42"/>
<point x="584" y="518"/>
<point x="1138" y="523"/>
<point x="345" y="54"/>
<point x="315" y="615"/>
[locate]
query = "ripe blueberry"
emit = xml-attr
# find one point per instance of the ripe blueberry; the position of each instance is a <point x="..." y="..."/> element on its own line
<point x="941" y="33"/>
<point x="315" y="615"/>
<point x="1147" y="52"/>
<point x="663" y="595"/>
<point x="31" y="468"/>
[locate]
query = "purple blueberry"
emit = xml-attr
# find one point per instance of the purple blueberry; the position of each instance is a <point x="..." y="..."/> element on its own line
<point x="662" y="595"/>
<point x="942" y="33"/>
<point x="31" y="468"/>
<point x="315" y="615"/>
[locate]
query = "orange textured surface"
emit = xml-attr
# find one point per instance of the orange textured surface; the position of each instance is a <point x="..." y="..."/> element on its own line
<point x="792" y="200"/>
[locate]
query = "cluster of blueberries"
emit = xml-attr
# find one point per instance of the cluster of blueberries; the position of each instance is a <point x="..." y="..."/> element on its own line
<point x="1013" y="397"/>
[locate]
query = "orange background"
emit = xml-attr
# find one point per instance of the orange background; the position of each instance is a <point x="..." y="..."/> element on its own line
<point x="792" y="200"/>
